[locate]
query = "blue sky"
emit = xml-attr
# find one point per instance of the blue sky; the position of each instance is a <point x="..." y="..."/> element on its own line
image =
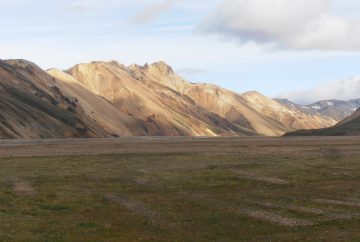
<point x="279" y="49"/>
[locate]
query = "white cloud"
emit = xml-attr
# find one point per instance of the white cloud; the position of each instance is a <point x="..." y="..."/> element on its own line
<point x="288" y="24"/>
<point x="341" y="90"/>
<point x="152" y="11"/>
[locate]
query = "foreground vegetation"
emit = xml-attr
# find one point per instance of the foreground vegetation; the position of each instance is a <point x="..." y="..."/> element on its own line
<point x="250" y="194"/>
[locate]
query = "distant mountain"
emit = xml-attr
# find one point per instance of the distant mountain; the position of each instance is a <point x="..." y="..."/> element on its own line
<point x="108" y="99"/>
<point x="334" y="109"/>
<point x="348" y="127"/>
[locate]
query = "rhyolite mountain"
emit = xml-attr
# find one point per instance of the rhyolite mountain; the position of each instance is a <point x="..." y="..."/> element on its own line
<point x="108" y="99"/>
<point x="144" y="91"/>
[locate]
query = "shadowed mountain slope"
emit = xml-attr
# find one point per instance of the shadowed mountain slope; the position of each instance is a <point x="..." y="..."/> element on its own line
<point x="32" y="106"/>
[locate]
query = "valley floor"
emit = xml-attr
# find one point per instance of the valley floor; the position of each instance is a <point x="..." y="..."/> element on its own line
<point x="180" y="189"/>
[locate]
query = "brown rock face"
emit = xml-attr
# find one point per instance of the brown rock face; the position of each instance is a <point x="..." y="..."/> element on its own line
<point x="32" y="106"/>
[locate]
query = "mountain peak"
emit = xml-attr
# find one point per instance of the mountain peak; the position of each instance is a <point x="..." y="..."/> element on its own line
<point x="161" y="68"/>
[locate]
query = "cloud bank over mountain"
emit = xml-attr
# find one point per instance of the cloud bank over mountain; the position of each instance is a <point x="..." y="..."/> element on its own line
<point x="284" y="24"/>
<point x="65" y="32"/>
<point x="343" y="89"/>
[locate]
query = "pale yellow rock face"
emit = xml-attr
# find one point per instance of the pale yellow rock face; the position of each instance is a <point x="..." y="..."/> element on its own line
<point x="154" y="92"/>
<point x="250" y="110"/>
<point x="254" y="111"/>
<point x="290" y="119"/>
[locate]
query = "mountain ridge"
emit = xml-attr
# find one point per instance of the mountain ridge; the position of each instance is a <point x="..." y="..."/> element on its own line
<point x="211" y="97"/>
<point x="336" y="109"/>
<point x="109" y="99"/>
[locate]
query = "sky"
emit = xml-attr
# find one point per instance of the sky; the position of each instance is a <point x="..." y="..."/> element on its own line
<point x="303" y="50"/>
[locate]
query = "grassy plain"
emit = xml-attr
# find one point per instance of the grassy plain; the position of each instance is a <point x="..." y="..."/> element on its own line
<point x="181" y="189"/>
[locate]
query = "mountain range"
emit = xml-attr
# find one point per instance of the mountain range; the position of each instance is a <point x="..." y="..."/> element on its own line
<point x="108" y="99"/>
<point x="336" y="109"/>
